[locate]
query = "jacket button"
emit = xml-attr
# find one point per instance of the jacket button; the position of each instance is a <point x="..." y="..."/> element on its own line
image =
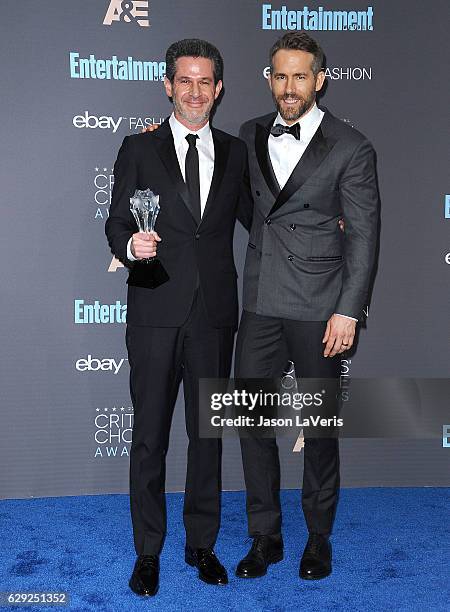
<point x="258" y="193"/>
<point x="197" y="236"/>
<point x="305" y="205"/>
<point x="290" y="257"/>
<point x="268" y="221"/>
<point x="293" y="226"/>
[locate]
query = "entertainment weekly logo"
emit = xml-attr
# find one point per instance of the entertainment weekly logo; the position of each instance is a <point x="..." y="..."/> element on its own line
<point x="133" y="11"/>
<point x="447" y="206"/>
<point x="316" y="20"/>
<point x="445" y="436"/>
<point x="115" y="68"/>
<point x="111" y="431"/>
<point x="96" y="313"/>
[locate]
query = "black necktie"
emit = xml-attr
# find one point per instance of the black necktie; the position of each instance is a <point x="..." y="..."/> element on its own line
<point x="293" y="130"/>
<point x="193" y="175"/>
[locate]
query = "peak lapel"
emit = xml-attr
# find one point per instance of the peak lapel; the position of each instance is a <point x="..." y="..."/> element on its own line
<point x="315" y="153"/>
<point x="166" y="151"/>
<point x="262" y="153"/>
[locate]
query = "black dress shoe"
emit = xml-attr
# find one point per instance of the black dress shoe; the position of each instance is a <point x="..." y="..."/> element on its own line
<point x="264" y="551"/>
<point x="316" y="559"/>
<point x="145" y="577"/>
<point x="210" y="570"/>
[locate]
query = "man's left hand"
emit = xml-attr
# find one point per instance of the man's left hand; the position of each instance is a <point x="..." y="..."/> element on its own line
<point x="339" y="335"/>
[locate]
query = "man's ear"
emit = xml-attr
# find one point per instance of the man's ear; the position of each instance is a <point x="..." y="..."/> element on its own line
<point x="168" y="87"/>
<point x="218" y="89"/>
<point x="320" y="80"/>
<point x="269" y="80"/>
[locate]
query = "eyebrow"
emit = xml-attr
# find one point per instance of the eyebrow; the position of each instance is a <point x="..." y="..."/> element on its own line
<point x="295" y="74"/>
<point x="202" y="78"/>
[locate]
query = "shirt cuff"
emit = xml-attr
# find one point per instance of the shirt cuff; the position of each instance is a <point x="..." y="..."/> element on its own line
<point x="346" y="316"/>
<point x="130" y="255"/>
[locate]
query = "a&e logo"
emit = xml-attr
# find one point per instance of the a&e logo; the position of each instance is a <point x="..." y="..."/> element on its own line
<point x="129" y="11"/>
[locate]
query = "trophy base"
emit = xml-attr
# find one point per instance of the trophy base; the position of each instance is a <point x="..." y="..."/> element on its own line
<point x="147" y="274"/>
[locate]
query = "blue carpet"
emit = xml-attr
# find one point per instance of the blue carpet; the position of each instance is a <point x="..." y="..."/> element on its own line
<point x="391" y="552"/>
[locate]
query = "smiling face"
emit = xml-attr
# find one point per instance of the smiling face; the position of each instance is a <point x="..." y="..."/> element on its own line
<point x="193" y="91"/>
<point x="293" y="83"/>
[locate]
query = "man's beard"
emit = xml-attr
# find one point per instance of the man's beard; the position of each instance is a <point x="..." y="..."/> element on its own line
<point x="192" y="117"/>
<point x="294" y="113"/>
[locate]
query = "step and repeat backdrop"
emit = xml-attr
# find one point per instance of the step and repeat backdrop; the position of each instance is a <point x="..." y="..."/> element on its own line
<point x="77" y="76"/>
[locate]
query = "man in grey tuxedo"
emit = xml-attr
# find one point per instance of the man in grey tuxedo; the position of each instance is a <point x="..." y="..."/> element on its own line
<point x="305" y="282"/>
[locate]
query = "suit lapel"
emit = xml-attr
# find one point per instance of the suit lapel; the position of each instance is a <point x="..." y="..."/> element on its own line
<point x="262" y="154"/>
<point x="166" y="151"/>
<point x="314" y="155"/>
<point x="221" y="153"/>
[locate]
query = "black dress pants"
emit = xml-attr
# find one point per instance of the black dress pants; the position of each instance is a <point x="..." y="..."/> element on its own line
<point x="263" y="344"/>
<point x="160" y="357"/>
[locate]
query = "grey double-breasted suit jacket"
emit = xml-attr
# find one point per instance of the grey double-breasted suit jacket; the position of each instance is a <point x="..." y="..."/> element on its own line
<point x="299" y="264"/>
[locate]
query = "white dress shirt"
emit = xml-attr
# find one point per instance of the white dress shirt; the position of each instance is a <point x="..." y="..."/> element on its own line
<point x="286" y="151"/>
<point x="205" y="147"/>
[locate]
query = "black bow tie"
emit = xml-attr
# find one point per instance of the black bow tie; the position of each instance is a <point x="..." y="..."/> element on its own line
<point x="293" y="130"/>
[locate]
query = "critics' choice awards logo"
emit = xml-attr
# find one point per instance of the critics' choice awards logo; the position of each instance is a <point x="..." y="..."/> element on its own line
<point x="345" y="379"/>
<point x="289" y="383"/>
<point x="112" y="431"/>
<point x="89" y="121"/>
<point x="316" y="20"/>
<point x="103" y="183"/>
<point x="131" y="11"/>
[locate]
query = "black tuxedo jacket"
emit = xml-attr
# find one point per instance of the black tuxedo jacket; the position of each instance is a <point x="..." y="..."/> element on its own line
<point x="299" y="264"/>
<point x="191" y="253"/>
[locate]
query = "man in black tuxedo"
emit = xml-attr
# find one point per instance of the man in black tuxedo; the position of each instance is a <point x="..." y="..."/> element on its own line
<point x="305" y="282"/>
<point x="183" y="329"/>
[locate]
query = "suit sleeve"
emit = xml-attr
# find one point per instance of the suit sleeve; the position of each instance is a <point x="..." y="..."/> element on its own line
<point x="245" y="205"/>
<point x="360" y="206"/>
<point x="121" y="225"/>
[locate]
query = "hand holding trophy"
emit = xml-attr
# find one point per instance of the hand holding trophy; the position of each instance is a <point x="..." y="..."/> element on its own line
<point x="146" y="273"/>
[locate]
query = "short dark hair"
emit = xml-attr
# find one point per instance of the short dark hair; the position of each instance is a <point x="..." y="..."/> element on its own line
<point x="193" y="47"/>
<point x="300" y="41"/>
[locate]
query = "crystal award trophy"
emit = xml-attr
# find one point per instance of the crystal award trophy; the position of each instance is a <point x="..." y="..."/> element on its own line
<point x="147" y="273"/>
